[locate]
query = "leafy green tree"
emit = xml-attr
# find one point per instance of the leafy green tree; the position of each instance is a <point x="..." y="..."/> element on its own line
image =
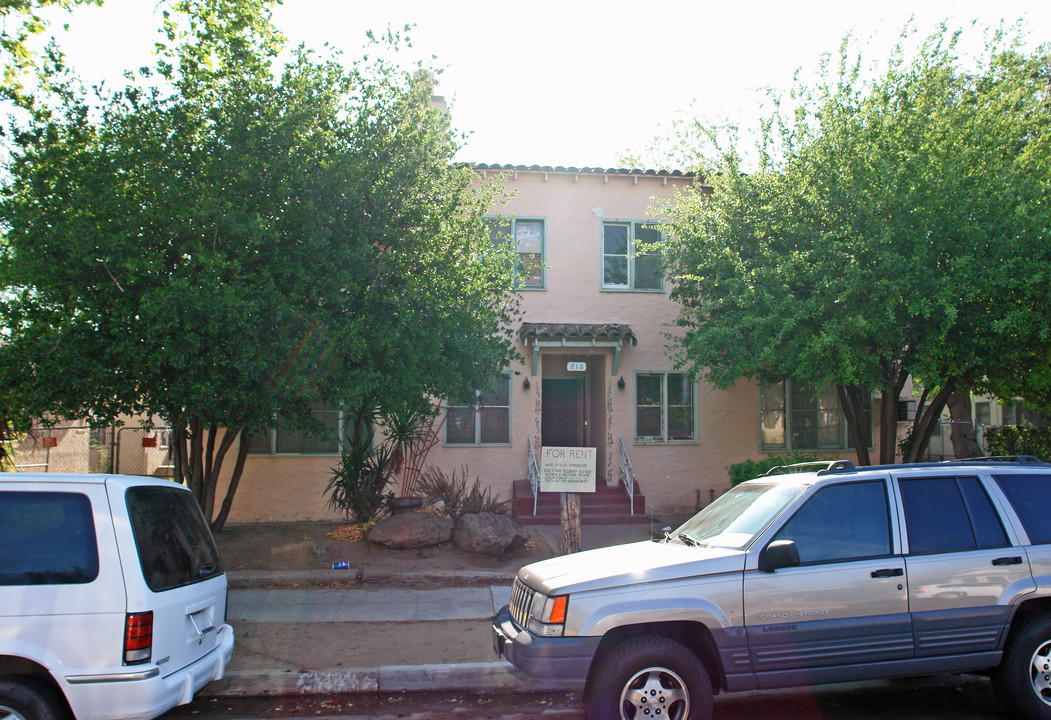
<point x="21" y="20"/>
<point x="880" y="228"/>
<point x="224" y="243"/>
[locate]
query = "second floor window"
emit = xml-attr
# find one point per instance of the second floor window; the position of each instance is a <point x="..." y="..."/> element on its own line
<point x="628" y="260"/>
<point x="528" y="235"/>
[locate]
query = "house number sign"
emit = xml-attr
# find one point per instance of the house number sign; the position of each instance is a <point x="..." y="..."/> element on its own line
<point x="576" y="367"/>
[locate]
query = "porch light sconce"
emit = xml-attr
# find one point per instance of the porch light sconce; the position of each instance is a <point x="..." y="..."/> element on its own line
<point x="620" y="383"/>
<point x="525" y="384"/>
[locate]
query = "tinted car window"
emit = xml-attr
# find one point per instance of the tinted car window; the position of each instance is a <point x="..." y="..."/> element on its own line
<point x="175" y="546"/>
<point x="47" y="538"/>
<point x="1028" y="495"/>
<point x="841" y="522"/>
<point x="949" y="514"/>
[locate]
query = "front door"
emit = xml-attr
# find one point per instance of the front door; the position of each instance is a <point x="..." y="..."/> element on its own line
<point x="562" y="416"/>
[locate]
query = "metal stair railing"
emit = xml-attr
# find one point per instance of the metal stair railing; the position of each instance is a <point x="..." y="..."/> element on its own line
<point x="627" y="474"/>
<point x="533" y="475"/>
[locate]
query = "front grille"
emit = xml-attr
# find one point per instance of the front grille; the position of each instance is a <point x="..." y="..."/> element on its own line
<point x="521" y="600"/>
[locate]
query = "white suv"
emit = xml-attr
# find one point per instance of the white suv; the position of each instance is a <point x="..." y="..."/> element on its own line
<point x="112" y="597"/>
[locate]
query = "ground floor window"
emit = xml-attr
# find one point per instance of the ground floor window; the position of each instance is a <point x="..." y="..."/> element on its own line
<point x="794" y="416"/>
<point x="484" y="419"/>
<point x="664" y="408"/>
<point x="281" y="440"/>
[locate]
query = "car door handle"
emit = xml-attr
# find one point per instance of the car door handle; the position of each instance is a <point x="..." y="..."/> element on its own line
<point x="888" y="572"/>
<point x="1008" y="561"/>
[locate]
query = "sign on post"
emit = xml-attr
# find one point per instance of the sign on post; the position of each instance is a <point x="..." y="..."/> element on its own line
<point x="567" y="469"/>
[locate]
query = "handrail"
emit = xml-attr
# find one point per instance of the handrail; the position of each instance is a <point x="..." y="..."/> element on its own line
<point x="534" y="475"/>
<point x="627" y="474"/>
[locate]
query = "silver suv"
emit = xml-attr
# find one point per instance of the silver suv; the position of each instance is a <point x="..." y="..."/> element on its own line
<point x="803" y="578"/>
<point x="112" y="597"/>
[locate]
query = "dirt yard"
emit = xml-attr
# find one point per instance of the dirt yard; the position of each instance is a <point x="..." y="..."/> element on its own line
<point x="317" y="545"/>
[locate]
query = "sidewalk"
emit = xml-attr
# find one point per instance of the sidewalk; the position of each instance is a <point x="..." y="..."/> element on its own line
<point x="380" y="632"/>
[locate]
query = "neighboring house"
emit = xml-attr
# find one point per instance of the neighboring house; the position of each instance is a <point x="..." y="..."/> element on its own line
<point x="598" y="370"/>
<point x="986" y="412"/>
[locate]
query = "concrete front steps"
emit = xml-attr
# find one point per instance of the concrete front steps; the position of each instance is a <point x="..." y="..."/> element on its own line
<point x="608" y="505"/>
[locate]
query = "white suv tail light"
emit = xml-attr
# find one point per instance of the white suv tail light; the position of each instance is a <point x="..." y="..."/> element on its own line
<point x="138" y="638"/>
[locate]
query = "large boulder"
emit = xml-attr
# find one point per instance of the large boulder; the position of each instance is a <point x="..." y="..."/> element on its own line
<point x="488" y="533"/>
<point x="412" y="530"/>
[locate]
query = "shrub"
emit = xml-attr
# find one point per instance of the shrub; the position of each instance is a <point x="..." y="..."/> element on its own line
<point x="455" y="497"/>
<point x="748" y="469"/>
<point x="1016" y="440"/>
<point x="359" y="483"/>
<point x="368" y="464"/>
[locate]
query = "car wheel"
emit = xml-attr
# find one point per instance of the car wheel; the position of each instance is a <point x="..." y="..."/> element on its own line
<point x="649" y="678"/>
<point x="1022" y="681"/>
<point x="27" y="701"/>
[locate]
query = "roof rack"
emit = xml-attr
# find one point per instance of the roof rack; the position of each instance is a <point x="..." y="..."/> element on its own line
<point x="1000" y="458"/>
<point x="821" y="466"/>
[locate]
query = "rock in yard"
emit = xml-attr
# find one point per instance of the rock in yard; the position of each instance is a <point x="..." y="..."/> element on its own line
<point x="488" y="534"/>
<point x="412" y="530"/>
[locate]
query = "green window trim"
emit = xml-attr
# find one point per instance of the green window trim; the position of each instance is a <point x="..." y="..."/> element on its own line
<point x="795" y="417"/>
<point x="482" y="421"/>
<point x="530" y="237"/>
<point x="298" y="443"/>
<point x="627" y="265"/>
<point x="665" y="408"/>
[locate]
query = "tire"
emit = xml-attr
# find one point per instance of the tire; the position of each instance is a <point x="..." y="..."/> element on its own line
<point x="649" y="678"/>
<point x="1022" y="681"/>
<point x="28" y="700"/>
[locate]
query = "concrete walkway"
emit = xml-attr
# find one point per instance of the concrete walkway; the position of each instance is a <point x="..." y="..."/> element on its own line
<point x="366" y="605"/>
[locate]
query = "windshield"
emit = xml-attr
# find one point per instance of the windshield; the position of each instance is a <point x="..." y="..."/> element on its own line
<point x="736" y="517"/>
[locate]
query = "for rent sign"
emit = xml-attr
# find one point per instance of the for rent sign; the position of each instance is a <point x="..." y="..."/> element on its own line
<point x="567" y="469"/>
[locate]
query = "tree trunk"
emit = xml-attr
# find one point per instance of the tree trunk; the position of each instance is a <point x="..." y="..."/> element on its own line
<point x="214" y="465"/>
<point x="235" y="479"/>
<point x="962" y="427"/>
<point x="570" y="515"/>
<point x="923" y="426"/>
<point x="852" y="400"/>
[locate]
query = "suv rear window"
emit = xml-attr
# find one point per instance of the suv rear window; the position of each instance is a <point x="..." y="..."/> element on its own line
<point x="47" y="538"/>
<point x="1027" y="493"/>
<point x="949" y="514"/>
<point x="175" y="546"/>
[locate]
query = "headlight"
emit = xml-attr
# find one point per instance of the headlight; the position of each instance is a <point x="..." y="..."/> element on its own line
<point x="547" y="615"/>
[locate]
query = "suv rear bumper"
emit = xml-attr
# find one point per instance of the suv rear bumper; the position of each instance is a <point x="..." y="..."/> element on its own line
<point x="564" y="661"/>
<point x="144" y="694"/>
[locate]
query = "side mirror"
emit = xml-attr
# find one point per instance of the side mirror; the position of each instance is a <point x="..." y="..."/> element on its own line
<point x="779" y="554"/>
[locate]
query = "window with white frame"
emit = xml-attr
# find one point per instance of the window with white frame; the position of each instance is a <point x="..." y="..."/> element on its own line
<point x="484" y="419"/>
<point x="664" y="408"/>
<point x="629" y="262"/>
<point x="281" y="441"/>
<point x="528" y="235"/>
<point x="794" y="416"/>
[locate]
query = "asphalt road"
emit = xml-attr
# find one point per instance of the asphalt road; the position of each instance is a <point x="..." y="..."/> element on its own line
<point x="941" y="697"/>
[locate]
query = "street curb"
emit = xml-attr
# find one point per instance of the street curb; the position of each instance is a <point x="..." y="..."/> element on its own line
<point x="245" y="579"/>
<point x="484" y="676"/>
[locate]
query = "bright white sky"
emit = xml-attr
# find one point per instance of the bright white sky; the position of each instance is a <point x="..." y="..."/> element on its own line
<point x="578" y="82"/>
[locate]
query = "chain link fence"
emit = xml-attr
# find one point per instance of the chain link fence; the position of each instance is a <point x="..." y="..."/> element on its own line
<point x="82" y="449"/>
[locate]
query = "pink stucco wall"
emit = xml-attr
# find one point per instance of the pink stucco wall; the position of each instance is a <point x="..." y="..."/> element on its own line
<point x="672" y="477"/>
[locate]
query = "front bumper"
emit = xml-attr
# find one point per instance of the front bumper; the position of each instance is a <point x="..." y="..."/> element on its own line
<point x="563" y="661"/>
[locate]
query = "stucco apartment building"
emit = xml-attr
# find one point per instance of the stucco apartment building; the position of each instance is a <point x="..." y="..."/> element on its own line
<point x="598" y="371"/>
